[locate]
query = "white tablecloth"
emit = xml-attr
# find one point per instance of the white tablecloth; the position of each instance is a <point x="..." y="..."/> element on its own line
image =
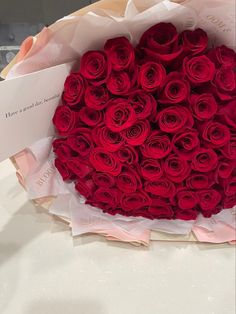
<point x="44" y="271"/>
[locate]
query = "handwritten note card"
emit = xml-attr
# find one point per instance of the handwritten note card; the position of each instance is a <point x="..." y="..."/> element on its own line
<point x="27" y="105"/>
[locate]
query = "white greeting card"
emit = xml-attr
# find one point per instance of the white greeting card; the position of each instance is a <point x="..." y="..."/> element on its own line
<point x="27" y="105"/>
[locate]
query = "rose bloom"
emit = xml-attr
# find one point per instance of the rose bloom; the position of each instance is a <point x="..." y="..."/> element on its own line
<point x="204" y="106"/>
<point x="85" y="187"/>
<point x="175" y="118"/>
<point x="194" y="42"/>
<point x="157" y="145"/>
<point x="119" y="83"/>
<point x="144" y="104"/>
<point x="73" y="89"/>
<point x="186" y="143"/>
<point x="161" y="187"/>
<point x="81" y="142"/>
<point x="204" y="160"/>
<point x="198" y="69"/>
<point x="161" y="209"/>
<point x="151" y="169"/>
<point x="161" y="37"/>
<point x="228" y="113"/>
<point x="133" y="201"/>
<point x="62" y="150"/>
<point x="96" y="97"/>
<point x="90" y="116"/>
<point x="128" y="181"/>
<point x="105" y="198"/>
<point x="216" y="134"/>
<point x="110" y="140"/>
<point x="176" y="168"/>
<point x="120" y="53"/>
<point x="187" y="199"/>
<point x="208" y="200"/>
<point x="223" y="55"/>
<point x="64" y="120"/>
<point x="78" y="168"/>
<point x="104" y="161"/>
<point x="197" y="181"/>
<point x="103" y="179"/>
<point x="119" y="115"/>
<point x="229" y="150"/>
<point x="176" y="89"/>
<point x="137" y="133"/>
<point x="225" y="79"/>
<point x="62" y="168"/>
<point x="151" y="76"/>
<point x="93" y="67"/>
<point x="127" y="154"/>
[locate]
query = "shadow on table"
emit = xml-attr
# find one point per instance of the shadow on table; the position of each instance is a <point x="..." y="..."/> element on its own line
<point x="78" y="306"/>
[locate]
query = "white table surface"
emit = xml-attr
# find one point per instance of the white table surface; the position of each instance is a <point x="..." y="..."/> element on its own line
<point x="44" y="271"/>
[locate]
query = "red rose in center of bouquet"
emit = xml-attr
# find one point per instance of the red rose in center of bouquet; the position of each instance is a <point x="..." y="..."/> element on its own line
<point x="150" y="130"/>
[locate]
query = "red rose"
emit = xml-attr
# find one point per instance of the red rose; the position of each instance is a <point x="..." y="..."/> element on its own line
<point x="223" y="55"/>
<point x="133" y="201"/>
<point x="62" y="150"/>
<point x="176" y="168"/>
<point x="119" y="115"/>
<point x="199" y="69"/>
<point x="225" y="168"/>
<point x="229" y="201"/>
<point x="161" y="187"/>
<point x="161" y="210"/>
<point x="151" y="76"/>
<point x="144" y="104"/>
<point x="194" y="42"/>
<point x="176" y="89"/>
<point x="225" y="79"/>
<point x="64" y="120"/>
<point x="229" y="150"/>
<point x="127" y="154"/>
<point x="119" y="83"/>
<point x="187" y="199"/>
<point x="73" y="89"/>
<point x="128" y="180"/>
<point x="110" y="140"/>
<point x="93" y="67"/>
<point x="228" y="112"/>
<point x="175" y="118"/>
<point x="204" y="160"/>
<point x="90" y="116"/>
<point x="198" y="181"/>
<point x="96" y="97"/>
<point x="230" y="184"/>
<point x="78" y="168"/>
<point x="208" y="200"/>
<point x="186" y="143"/>
<point x="186" y="214"/>
<point x="204" y="106"/>
<point x="172" y="59"/>
<point x="157" y="145"/>
<point x="63" y="169"/>
<point x="120" y="53"/>
<point x="151" y="169"/>
<point x="105" y="161"/>
<point x="85" y="187"/>
<point x="104" y="180"/>
<point x="216" y="134"/>
<point x="137" y="133"/>
<point x="105" y="198"/>
<point x="161" y="37"/>
<point x="81" y="142"/>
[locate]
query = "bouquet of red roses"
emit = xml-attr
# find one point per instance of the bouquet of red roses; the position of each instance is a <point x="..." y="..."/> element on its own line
<point x="145" y="129"/>
<point x="151" y="130"/>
